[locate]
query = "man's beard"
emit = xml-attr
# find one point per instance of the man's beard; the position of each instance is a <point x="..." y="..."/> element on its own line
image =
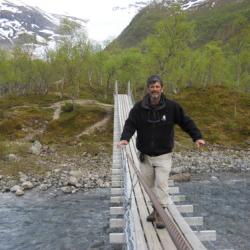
<point x="155" y="97"/>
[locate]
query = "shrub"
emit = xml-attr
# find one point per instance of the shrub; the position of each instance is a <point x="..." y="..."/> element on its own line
<point x="67" y="107"/>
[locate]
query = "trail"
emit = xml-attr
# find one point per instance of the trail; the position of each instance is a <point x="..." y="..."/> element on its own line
<point x="58" y="106"/>
<point x="97" y="126"/>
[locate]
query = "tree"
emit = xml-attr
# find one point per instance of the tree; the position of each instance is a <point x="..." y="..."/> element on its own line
<point x="239" y="46"/>
<point x="69" y="58"/>
<point x="167" y="50"/>
<point x="214" y="64"/>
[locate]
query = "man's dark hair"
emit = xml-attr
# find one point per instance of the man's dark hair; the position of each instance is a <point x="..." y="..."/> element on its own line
<point x="153" y="79"/>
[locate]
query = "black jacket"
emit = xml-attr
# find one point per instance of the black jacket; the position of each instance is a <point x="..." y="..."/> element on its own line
<point x="155" y="126"/>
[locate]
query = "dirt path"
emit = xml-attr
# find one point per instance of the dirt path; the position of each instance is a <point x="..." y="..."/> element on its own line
<point x="97" y="126"/>
<point x="58" y="106"/>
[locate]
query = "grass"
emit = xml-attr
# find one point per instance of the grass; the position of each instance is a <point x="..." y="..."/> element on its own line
<point x="221" y="113"/>
<point x="72" y="123"/>
<point x="100" y="139"/>
<point x="26" y="165"/>
<point x="13" y="147"/>
<point x="16" y="122"/>
<point x="11" y="101"/>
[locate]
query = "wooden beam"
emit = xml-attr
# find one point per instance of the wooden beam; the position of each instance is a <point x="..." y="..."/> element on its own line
<point x="116" y="199"/>
<point x="116" y="178"/>
<point x="178" y="198"/>
<point x="206" y="235"/>
<point x="194" y="221"/>
<point x="174" y="190"/>
<point x="116" y="171"/>
<point x="116" y="210"/>
<point x="116" y="184"/>
<point x="185" y="208"/>
<point x="116" y="191"/>
<point x="117" y="238"/>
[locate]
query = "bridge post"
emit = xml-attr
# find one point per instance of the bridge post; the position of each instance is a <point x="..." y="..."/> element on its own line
<point x="129" y="89"/>
<point x="116" y="88"/>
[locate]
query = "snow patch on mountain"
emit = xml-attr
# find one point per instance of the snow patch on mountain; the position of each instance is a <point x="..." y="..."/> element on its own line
<point x="9" y="8"/>
<point x="192" y="4"/>
<point x="30" y="26"/>
<point x="185" y="4"/>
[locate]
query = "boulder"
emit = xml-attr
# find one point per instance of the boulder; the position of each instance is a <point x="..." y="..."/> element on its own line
<point x="23" y="177"/>
<point x="72" y="181"/>
<point x="15" y="188"/>
<point x="27" y="185"/>
<point x="43" y="187"/>
<point x="12" y="157"/>
<point x="76" y="173"/>
<point x="36" y="148"/>
<point x="19" y="192"/>
<point x="66" y="190"/>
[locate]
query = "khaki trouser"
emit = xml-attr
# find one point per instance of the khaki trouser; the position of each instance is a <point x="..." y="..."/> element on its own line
<point x="155" y="171"/>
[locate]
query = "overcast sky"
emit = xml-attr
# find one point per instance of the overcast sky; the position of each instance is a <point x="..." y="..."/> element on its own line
<point x="104" y="22"/>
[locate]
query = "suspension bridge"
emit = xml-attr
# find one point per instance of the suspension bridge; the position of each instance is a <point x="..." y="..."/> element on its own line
<point x="131" y="201"/>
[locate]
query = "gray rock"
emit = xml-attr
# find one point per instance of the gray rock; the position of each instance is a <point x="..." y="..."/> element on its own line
<point x="12" y="157"/>
<point x="15" y="188"/>
<point x="214" y="178"/>
<point x="76" y="173"/>
<point x="66" y="190"/>
<point x="23" y="177"/>
<point x="36" y="148"/>
<point x="73" y="181"/>
<point x="19" y="192"/>
<point x="58" y="170"/>
<point x="27" y="185"/>
<point x="44" y="187"/>
<point x="74" y="190"/>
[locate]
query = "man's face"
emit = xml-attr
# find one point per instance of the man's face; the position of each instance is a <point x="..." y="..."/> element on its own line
<point x="154" y="90"/>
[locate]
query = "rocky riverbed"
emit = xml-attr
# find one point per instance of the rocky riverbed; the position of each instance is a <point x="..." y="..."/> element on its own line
<point x="212" y="160"/>
<point x="69" y="174"/>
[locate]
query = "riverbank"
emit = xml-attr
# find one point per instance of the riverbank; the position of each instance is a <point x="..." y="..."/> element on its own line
<point x="85" y="171"/>
<point x="211" y="160"/>
<point x="66" y="174"/>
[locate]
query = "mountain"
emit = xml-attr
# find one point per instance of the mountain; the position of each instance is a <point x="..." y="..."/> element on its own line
<point x="210" y="16"/>
<point x="29" y="26"/>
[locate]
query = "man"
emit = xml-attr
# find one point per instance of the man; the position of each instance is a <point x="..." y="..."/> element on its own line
<point x="154" y="118"/>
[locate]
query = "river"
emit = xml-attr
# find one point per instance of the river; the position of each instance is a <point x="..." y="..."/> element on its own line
<point x="224" y="202"/>
<point x="48" y="220"/>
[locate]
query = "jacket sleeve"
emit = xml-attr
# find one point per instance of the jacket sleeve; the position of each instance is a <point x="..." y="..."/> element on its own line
<point x="130" y="126"/>
<point x="186" y="123"/>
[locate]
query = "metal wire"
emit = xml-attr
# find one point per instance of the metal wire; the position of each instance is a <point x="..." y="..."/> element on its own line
<point x="128" y="228"/>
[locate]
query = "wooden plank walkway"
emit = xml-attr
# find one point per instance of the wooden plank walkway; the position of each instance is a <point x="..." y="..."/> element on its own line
<point x="129" y="197"/>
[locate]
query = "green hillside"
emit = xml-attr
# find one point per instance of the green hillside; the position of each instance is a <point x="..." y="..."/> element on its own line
<point x="220" y="113"/>
<point x="211" y="23"/>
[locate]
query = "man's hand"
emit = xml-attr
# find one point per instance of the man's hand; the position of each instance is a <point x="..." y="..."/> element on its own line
<point x="200" y="143"/>
<point x="122" y="143"/>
